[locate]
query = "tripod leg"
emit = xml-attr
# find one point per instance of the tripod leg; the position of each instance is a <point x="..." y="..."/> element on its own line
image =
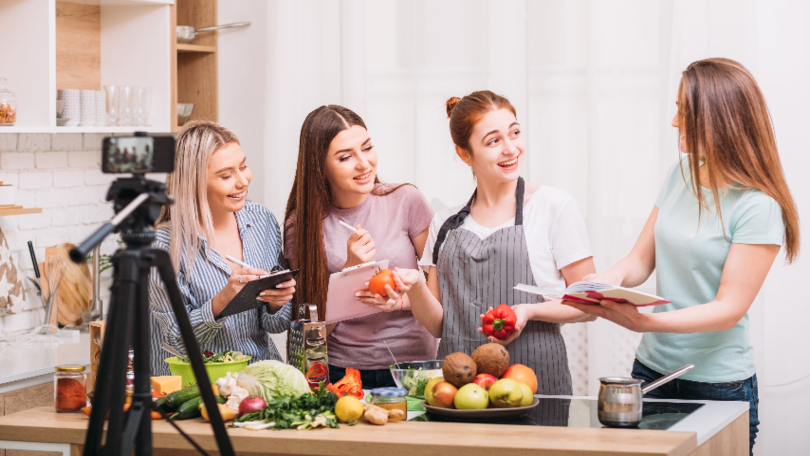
<point x="110" y="381"/>
<point x="160" y="259"/>
<point x="142" y="365"/>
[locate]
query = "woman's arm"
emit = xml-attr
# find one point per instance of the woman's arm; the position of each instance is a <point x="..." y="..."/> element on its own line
<point x="555" y="311"/>
<point x="744" y="272"/>
<point x="638" y="265"/>
<point x="426" y="308"/>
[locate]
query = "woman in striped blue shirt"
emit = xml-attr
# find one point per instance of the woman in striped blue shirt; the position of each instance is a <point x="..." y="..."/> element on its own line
<point x="209" y="220"/>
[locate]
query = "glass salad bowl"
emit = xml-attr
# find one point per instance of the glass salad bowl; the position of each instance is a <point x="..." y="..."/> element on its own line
<point x="414" y="375"/>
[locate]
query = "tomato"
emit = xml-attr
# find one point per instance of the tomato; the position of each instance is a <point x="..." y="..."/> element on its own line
<point x="377" y="283"/>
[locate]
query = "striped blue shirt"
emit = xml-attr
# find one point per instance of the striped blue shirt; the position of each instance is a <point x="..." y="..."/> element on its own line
<point x="246" y="332"/>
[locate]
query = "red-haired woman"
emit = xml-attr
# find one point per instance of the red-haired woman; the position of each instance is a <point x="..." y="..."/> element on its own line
<point x="509" y="232"/>
<point x="718" y="223"/>
<point x="336" y="180"/>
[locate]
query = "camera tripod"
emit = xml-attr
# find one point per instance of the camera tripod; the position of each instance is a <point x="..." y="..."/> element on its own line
<point x="137" y="203"/>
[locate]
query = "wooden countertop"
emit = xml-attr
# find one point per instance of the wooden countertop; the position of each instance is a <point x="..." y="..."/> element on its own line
<point x="394" y="439"/>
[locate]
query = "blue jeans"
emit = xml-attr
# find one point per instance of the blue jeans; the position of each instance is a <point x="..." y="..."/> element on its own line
<point x="371" y="378"/>
<point x="741" y="390"/>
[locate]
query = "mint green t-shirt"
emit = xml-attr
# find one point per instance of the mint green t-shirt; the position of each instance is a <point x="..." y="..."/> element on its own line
<point x="689" y="260"/>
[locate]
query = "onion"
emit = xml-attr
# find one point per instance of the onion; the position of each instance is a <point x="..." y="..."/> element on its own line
<point x="251" y="404"/>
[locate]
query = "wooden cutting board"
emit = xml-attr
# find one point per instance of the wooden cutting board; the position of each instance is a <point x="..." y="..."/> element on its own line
<point x="74" y="291"/>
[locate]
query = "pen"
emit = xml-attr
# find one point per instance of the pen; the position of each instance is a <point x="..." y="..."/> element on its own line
<point x="235" y="261"/>
<point x="347" y="225"/>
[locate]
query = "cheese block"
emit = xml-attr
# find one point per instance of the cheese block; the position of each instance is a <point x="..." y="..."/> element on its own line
<point x="165" y="385"/>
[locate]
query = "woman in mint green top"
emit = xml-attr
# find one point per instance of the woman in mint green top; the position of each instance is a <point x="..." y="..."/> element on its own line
<point x="717" y="226"/>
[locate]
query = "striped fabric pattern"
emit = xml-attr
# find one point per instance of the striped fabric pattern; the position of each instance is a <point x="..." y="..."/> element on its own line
<point x="246" y="332"/>
<point x="475" y="274"/>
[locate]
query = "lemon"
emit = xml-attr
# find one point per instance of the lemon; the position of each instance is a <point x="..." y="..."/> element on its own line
<point x="348" y="409"/>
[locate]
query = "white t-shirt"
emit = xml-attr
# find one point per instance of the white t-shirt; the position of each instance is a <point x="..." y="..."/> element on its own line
<point x="555" y="235"/>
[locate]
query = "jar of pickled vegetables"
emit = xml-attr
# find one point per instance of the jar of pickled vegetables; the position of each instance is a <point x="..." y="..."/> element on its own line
<point x="391" y="399"/>
<point x="8" y="105"/>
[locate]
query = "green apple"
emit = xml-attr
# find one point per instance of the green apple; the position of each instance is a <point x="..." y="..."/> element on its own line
<point x="528" y="397"/>
<point x="429" y="388"/>
<point x="506" y="393"/>
<point x="471" y="397"/>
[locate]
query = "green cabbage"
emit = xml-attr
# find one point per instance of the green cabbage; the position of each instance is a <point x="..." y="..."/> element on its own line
<point x="271" y="379"/>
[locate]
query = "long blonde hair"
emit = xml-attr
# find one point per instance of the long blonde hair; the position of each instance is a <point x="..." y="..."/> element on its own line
<point x="725" y="121"/>
<point x="188" y="186"/>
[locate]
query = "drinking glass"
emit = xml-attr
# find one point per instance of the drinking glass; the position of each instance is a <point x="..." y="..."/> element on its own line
<point x="144" y="105"/>
<point x="125" y="109"/>
<point x="112" y="103"/>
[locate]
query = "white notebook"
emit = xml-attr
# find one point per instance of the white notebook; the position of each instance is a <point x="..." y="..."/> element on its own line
<point x="593" y="292"/>
<point x="340" y="299"/>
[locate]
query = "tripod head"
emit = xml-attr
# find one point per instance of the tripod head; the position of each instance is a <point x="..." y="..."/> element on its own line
<point x="137" y="202"/>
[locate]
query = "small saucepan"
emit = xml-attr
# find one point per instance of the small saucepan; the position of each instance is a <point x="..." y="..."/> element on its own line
<point x="187" y="33"/>
<point x="620" y="398"/>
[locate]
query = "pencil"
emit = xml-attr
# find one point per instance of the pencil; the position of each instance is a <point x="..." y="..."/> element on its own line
<point x="347" y="225"/>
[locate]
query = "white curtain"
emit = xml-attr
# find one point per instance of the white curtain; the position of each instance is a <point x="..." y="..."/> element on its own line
<point x="594" y="85"/>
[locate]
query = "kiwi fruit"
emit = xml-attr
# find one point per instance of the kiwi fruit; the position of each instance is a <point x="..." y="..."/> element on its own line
<point x="458" y="369"/>
<point x="492" y="359"/>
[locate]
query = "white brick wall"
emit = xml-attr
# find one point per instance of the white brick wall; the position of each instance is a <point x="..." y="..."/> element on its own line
<point x="59" y="173"/>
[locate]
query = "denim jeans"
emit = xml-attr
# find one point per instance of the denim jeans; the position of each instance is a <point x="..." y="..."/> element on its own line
<point x="741" y="390"/>
<point x="371" y="378"/>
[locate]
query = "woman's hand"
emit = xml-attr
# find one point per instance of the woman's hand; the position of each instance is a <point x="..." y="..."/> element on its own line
<point x="359" y="248"/>
<point x="277" y="297"/>
<point x="626" y="315"/>
<point x="522" y="312"/>
<point x="396" y="299"/>
<point x="238" y="279"/>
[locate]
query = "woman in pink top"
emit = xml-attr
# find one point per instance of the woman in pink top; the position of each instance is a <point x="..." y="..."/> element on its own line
<point x="336" y="180"/>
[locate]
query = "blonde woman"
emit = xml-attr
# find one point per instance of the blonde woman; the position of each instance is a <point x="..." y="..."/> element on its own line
<point x="210" y="219"/>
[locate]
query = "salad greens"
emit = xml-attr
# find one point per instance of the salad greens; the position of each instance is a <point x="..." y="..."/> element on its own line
<point x="299" y="412"/>
<point x="415" y="381"/>
<point x="227" y="356"/>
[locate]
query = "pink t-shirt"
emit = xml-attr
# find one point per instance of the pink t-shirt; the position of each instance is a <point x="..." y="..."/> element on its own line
<point x="392" y="220"/>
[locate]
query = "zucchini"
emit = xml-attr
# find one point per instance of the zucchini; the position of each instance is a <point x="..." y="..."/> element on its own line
<point x="188" y="409"/>
<point x="176" y="398"/>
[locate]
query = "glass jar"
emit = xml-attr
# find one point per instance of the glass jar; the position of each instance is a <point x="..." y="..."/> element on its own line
<point x="69" y="388"/>
<point x="8" y="104"/>
<point x="391" y="399"/>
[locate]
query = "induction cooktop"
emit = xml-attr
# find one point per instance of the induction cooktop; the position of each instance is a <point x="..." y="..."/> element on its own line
<point x="582" y="413"/>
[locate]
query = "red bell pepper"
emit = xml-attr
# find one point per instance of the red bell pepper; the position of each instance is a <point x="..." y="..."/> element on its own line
<point x="350" y="385"/>
<point x="499" y="322"/>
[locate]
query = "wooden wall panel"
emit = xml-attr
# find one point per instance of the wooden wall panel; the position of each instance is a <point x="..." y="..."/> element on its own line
<point x="78" y="46"/>
<point x="199" y="14"/>
<point x="197" y="83"/>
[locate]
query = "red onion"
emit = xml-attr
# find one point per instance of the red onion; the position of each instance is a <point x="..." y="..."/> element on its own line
<point x="251" y="404"/>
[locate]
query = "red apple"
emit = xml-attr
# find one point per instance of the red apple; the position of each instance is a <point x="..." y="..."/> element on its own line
<point x="485" y="380"/>
<point x="443" y="394"/>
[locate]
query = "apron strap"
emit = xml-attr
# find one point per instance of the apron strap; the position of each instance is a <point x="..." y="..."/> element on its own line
<point x="457" y="219"/>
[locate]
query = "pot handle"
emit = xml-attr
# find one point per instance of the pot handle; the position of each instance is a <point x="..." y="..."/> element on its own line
<point x="666" y="378"/>
<point x="223" y="26"/>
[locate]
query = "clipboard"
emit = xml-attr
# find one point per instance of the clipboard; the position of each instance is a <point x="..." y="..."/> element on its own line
<point x="247" y="297"/>
<point x="340" y="302"/>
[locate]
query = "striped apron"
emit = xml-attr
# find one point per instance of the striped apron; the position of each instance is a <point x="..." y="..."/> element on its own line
<point x="475" y="274"/>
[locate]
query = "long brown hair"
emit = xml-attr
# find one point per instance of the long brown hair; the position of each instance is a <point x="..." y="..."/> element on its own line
<point x="725" y="122"/>
<point x="465" y="112"/>
<point x="309" y="202"/>
<point x="188" y="185"/>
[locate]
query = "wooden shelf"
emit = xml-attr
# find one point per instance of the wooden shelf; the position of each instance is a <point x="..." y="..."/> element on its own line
<point x="19" y="211"/>
<point x="195" y="48"/>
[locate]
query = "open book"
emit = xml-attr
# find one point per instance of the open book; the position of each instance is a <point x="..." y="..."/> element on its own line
<point x="593" y="292"/>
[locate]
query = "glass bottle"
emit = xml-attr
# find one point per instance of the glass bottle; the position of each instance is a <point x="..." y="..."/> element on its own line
<point x="69" y="388"/>
<point x="8" y="104"/>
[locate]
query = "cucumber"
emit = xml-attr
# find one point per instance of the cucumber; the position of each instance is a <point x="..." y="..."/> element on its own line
<point x="176" y="398"/>
<point x="163" y="406"/>
<point x="191" y="408"/>
<point x="188" y="409"/>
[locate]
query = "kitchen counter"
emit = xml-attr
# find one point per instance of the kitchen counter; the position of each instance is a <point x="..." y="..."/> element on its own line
<point x="33" y="365"/>
<point x="717" y="431"/>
